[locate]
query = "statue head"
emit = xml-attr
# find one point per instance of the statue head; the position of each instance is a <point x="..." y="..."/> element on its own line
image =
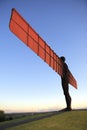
<point x="62" y="58"/>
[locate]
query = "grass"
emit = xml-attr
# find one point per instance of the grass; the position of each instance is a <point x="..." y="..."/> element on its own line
<point x="74" y="120"/>
<point x="17" y="118"/>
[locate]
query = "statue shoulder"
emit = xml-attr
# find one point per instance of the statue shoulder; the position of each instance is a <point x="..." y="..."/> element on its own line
<point x="65" y="65"/>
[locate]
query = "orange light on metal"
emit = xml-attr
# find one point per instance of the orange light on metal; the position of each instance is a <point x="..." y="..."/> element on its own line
<point x="31" y="38"/>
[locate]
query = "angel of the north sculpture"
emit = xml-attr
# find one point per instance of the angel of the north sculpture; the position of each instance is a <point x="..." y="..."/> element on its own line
<point x="31" y="38"/>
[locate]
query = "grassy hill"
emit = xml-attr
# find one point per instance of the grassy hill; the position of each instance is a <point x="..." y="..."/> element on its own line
<point x="74" y="120"/>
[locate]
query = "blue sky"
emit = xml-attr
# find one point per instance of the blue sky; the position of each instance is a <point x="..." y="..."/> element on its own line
<point x="26" y="82"/>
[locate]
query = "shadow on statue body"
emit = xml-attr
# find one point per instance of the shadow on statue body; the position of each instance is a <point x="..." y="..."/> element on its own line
<point x="65" y="85"/>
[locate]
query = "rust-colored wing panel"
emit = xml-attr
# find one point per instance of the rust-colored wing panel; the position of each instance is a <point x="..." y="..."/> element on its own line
<point x="31" y="38"/>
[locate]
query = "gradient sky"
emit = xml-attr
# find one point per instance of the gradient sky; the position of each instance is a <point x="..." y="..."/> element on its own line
<point x="26" y="82"/>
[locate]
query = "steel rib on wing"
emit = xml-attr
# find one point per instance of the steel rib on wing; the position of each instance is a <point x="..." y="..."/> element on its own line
<point x="28" y="35"/>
